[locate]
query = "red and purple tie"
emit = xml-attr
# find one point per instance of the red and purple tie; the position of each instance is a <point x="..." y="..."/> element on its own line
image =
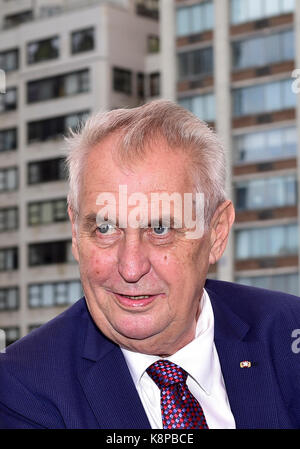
<point x="179" y="408"/>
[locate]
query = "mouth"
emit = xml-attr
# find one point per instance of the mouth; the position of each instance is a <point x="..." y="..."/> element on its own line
<point x="135" y="300"/>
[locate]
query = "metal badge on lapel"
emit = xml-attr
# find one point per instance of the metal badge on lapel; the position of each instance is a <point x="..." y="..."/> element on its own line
<point x="245" y="364"/>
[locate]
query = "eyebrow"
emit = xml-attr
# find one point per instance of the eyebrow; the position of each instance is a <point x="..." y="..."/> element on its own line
<point x="90" y="220"/>
<point x="174" y="221"/>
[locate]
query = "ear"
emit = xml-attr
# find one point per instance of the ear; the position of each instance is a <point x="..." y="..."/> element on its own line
<point x="221" y="224"/>
<point x="74" y="234"/>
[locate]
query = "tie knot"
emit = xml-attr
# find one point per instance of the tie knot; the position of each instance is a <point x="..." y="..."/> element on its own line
<point x="165" y="373"/>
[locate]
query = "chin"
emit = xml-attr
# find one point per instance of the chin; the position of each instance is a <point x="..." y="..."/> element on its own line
<point x="135" y="333"/>
<point x="137" y="329"/>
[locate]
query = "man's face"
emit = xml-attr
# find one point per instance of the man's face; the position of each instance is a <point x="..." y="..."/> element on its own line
<point x="161" y="266"/>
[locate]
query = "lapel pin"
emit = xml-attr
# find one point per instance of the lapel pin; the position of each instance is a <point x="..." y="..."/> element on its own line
<point x="245" y="364"/>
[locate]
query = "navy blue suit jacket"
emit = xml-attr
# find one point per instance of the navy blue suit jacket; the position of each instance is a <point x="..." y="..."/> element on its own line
<point x="67" y="374"/>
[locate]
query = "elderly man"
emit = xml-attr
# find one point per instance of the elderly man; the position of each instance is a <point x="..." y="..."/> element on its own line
<point x="153" y="344"/>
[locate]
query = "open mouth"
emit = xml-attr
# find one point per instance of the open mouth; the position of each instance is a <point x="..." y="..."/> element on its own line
<point x="135" y="300"/>
<point x="136" y="297"/>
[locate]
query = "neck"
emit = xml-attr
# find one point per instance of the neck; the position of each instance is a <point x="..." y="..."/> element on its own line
<point x="154" y="345"/>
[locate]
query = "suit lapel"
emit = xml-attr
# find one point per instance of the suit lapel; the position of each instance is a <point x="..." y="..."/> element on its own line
<point x="108" y="386"/>
<point x="112" y="395"/>
<point x="250" y="390"/>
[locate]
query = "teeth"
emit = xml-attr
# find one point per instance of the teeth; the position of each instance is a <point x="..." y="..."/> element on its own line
<point x="137" y="297"/>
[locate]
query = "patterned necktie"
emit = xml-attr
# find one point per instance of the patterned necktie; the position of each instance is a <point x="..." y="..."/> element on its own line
<point x="179" y="408"/>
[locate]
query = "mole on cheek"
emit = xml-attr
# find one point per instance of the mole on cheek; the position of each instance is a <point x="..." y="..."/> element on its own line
<point x="97" y="266"/>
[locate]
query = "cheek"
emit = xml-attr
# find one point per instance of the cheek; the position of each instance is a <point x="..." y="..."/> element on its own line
<point x="198" y="254"/>
<point x="98" y="265"/>
<point x="183" y="265"/>
<point x="168" y="267"/>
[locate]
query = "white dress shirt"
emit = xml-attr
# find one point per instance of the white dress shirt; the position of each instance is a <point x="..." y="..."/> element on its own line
<point x="200" y="360"/>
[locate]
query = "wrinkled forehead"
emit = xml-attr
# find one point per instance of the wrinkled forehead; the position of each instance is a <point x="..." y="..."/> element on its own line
<point x="158" y="169"/>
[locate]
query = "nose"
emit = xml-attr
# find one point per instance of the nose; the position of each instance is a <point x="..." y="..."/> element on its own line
<point x="133" y="262"/>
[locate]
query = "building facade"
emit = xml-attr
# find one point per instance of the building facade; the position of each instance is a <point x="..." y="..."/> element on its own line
<point x="62" y="60"/>
<point x="231" y="62"/>
<point x="234" y="63"/>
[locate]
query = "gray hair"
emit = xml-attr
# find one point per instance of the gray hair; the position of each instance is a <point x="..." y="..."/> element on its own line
<point x="142" y="125"/>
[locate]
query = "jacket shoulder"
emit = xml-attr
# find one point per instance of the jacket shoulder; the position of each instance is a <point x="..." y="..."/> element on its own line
<point x="254" y="304"/>
<point x="37" y="370"/>
<point x="48" y="350"/>
<point x="54" y="336"/>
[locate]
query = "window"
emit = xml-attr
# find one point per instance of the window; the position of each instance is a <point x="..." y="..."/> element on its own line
<point x="154" y="84"/>
<point x="8" y="139"/>
<point x="193" y="63"/>
<point x="50" y="10"/>
<point x="255" y="9"/>
<point x="9" y="298"/>
<point x="13" y="20"/>
<point x="9" y="219"/>
<point x="8" y="100"/>
<point x="263" y="50"/>
<point x="266" y="145"/>
<point x="287" y="95"/>
<point x="46" y="171"/>
<point x="153" y="44"/>
<point x="9" y="60"/>
<point x="183" y="20"/>
<point x="45" y="212"/>
<point x="54" y="294"/>
<point x="42" y="130"/>
<point x="8" y="179"/>
<point x="50" y="253"/>
<point x="287" y="45"/>
<point x="185" y="69"/>
<point x="82" y="40"/>
<point x="265" y="193"/>
<point x="12" y="334"/>
<point x="248" y="10"/>
<point x="122" y="80"/>
<point x="43" y="50"/>
<point x="58" y="86"/>
<point x="32" y="327"/>
<point x="288" y="283"/>
<point x="73" y="121"/>
<point x="272" y="97"/>
<point x="140" y="82"/>
<point x="267" y="97"/>
<point x="203" y="106"/>
<point x="266" y="242"/>
<point x="272" y="7"/>
<point x="194" y="19"/>
<point x="147" y="8"/>
<point x="8" y="259"/>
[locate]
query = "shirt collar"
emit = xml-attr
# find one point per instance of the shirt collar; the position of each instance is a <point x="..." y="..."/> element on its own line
<point x="200" y="349"/>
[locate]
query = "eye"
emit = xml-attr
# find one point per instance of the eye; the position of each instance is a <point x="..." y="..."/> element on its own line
<point x="161" y="230"/>
<point x="106" y="229"/>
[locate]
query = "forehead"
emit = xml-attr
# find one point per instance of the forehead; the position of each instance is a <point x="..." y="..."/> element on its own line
<point x="160" y="170"/>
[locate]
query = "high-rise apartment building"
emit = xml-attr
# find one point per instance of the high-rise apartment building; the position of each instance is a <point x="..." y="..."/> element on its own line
<point x="232" y="65"/>
<point x="228" y="61"/>
<point x="62" y="60"/>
